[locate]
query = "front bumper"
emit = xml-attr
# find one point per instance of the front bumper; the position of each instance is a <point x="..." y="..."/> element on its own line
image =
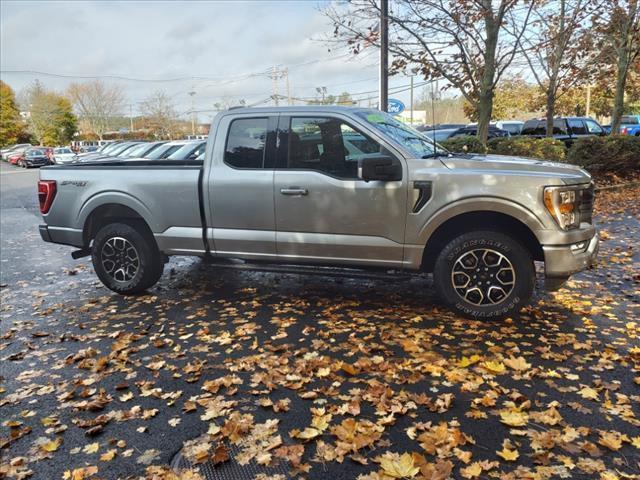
<point x="560" y="261"/>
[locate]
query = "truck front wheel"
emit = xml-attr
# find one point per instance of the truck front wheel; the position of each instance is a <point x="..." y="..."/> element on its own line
<point x="126" y="259"/>
<point x="484" y="274"/>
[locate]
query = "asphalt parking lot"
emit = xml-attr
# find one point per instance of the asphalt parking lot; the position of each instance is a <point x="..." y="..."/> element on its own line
<point x="289" y="375"/>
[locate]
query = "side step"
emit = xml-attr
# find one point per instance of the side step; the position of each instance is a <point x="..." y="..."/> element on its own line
<point x="310" y="270"/>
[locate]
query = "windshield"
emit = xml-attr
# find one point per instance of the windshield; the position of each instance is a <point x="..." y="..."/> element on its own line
<point x="138" y="151"/>
<point x="418" y="144"/>
<point x="62" y="150"/>
<point x="37" y="151"/>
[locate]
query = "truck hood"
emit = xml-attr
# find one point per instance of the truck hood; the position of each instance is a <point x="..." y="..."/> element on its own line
<point x="503" y="164"/>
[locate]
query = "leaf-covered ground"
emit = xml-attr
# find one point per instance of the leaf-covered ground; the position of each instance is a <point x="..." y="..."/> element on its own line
<point x="317" y="376"/>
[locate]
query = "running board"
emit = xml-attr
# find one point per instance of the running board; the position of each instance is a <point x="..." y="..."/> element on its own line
<point x="310" y="270"/>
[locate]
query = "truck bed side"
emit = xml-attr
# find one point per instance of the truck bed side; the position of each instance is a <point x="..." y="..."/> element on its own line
<point x="166" y="197"/>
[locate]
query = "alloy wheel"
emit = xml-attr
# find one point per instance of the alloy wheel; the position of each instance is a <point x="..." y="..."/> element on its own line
<point x="120" y="259"/>
<point x="483" y="277"/>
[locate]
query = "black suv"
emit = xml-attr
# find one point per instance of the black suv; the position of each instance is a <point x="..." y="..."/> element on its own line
<point x="567" y="129"/>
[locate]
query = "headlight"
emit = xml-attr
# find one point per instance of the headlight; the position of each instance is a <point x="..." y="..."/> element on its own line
<point x="563" y="203"/>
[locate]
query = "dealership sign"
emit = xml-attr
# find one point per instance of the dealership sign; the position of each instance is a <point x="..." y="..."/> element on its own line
<point x="395" y="107"/>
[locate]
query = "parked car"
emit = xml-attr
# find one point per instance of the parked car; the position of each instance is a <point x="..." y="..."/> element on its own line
<point x="15" y="149"/>
<point x="440" y="135"/>
<point x="34" y="157"/>
<point x="607" y="129"/>
<point x="472" y="130"/>
<point x="514" y="127"/>
<point x="63" y="155"/>
<point x="566" y="129"/>
<point x="142" y="150"/>
<point x="189" y="151"/>
<point x="89" y="149"/>
<point x="164" y="151"/>
<point x="476" y="222"/>
<point x="14" y="158"/>
<point x="440" y="126"/>
<point x="112" y="150"/>
<point x="630" y="125"/>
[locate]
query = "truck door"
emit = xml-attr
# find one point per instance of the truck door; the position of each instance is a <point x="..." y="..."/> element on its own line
<point x="324" y="212"/>
<point x="240" y="220"/>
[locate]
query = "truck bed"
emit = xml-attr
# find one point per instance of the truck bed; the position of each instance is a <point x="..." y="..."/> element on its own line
<point x="165" y="194"/>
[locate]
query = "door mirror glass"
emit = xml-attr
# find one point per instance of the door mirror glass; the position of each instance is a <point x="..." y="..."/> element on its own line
<point x="380" y="167"/>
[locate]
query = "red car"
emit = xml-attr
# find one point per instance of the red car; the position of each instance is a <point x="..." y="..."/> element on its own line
<point x="15" y="158"/>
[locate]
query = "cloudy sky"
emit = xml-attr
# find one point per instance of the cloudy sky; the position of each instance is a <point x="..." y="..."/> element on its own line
<point x="219" y="49"/>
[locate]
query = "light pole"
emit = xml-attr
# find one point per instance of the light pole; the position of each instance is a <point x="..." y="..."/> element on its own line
<point x="384" y="55"/>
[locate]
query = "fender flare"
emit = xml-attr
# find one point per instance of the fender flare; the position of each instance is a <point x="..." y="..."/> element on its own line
<point x="479" y="204"/>
<point x="114" y="197"/>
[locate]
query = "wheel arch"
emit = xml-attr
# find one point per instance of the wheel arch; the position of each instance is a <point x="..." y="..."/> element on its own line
<point x="108" y="213"/>
<point x="480" y="219"/>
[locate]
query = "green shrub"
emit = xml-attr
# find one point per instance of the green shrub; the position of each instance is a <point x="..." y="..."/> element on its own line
<point x="543" y="148"/>
<point x="611" y="153"/>
<point x="464" y="144"/>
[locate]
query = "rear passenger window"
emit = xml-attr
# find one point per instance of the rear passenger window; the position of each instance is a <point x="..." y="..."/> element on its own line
<point x="246" y="143"/>
<point x="577" y="127"/>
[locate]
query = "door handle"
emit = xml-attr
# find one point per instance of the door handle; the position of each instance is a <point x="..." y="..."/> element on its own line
<point x="296" y="191"/>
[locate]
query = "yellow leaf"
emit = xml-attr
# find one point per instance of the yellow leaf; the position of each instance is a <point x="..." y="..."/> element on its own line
<point x="472" y="471"/>
<point x="514" y="418"/>
<point x="519" y="364"/>
<point x="402" y="467"/>
<point x="611" y="440"/>
<point x="91" y="447"/>
<point x="306" y="434"/>
<point x="494" y="367"/>
<point x="52" y="445"/>
<point x="108" y="456"/>
<point x="323" y="372"/>
<point x="635" y="441"/>
<point x="589" y="393"/>
<point x="466" y="361"/>
<point x="508" y="455"/>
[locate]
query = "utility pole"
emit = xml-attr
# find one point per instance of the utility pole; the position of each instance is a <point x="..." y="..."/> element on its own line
<point x="275" y="74"/>
<point x="411" y="102"/>
<point x="131" y="118"/>
<point x="384" y="55"/>
<point x="588" y="109"/>
<point x="193" y="113"/>
<point x="286" y="74"/>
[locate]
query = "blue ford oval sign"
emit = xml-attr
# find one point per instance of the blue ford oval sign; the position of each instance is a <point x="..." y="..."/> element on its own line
<point x="394" y="106"/>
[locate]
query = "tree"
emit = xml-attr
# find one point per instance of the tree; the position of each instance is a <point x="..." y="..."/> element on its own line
<point x="618" y="30"/>
<point x="11" y="124"/>
<point x="96" y="104"/>
<point x="470" y="43"/>
<point x="322" y="98"/>
<point x="159" y="114"/>
<point x="557" y="48"/>
<point x="51" y="118"/>
<point x="514" y="98"/>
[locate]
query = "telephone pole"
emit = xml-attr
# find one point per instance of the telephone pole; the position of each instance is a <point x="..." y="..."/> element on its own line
<point x="131" y="118"/>
<point x="384" y="55"/>
<point x="193" y="113"/>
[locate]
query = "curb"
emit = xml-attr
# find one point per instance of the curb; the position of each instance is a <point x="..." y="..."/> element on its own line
<point x="619" y="186"/>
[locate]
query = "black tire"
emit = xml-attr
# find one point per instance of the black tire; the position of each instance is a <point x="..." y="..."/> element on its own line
<point x="494" y="275"/>
<point x="117" y="271"/>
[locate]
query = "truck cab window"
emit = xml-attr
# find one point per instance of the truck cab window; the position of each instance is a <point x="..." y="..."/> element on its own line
<point x="327" y="145"/>
<point x="246" y="143"/>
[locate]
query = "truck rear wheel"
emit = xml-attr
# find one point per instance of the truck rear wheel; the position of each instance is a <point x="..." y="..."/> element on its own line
<point x="484" y="274"/>
<point x="126" y="259"/>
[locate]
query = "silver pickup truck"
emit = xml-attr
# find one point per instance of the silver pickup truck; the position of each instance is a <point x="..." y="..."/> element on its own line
<point x="337" y="186"/>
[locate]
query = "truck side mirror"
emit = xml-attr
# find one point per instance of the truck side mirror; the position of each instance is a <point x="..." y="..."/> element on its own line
<point x="381" y="167"/>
